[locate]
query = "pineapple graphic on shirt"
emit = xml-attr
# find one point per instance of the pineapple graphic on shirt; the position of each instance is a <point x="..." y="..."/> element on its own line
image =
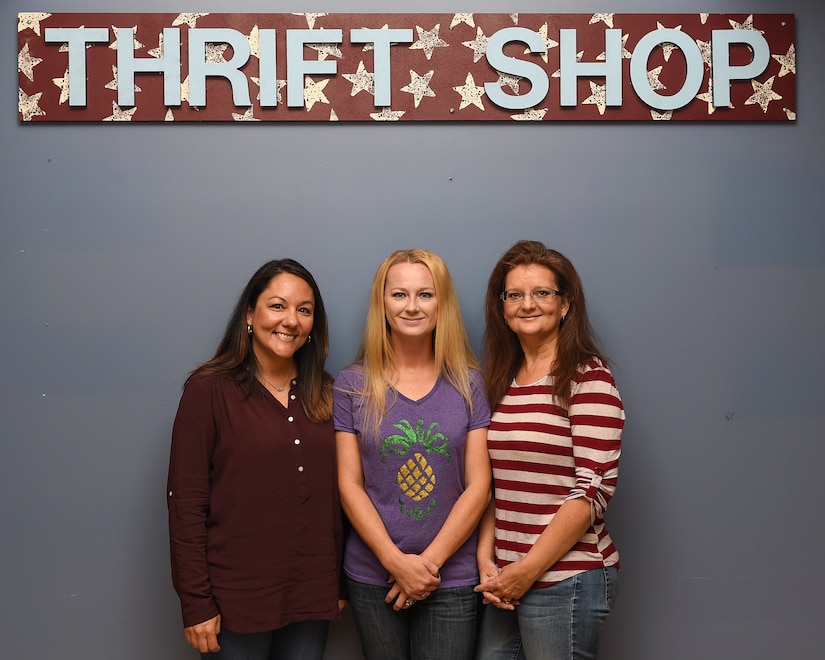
<point x="416" y="477"/>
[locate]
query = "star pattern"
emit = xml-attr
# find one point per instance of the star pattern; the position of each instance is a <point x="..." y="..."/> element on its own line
<point x="763" y="94"/>
<point x="43" y="79"/>
<point x="419" y="86"/>
<point x="362" y="80"/>
<point x="462" y="18"/>
<point x="314" y="92"/>
<point x="428" y="40"/>
<point x="788" y="61"/>
<point x="26" y="63"/>
<point x="598" y="97"/>
<point x="387" y="115"/>
<point x="29" y="105"/>
<point x="470" y="93"/>
<point x="31" y="21"/>
<point x="477" y="45"/>
<point x="190" y="19"/>
<point x="119" y="114"/>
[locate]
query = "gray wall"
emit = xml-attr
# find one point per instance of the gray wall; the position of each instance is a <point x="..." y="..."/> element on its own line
<point x="701" y="249"/>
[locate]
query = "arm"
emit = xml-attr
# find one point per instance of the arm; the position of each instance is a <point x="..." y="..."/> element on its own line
<point x="596" y="421"/>
<point x="187" y="491"/>
<point x="414" y="574"/>
<point x="468" y="508"/>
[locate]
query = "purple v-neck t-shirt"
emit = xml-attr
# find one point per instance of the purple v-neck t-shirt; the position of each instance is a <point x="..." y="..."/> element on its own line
<point x="413" y="469"/>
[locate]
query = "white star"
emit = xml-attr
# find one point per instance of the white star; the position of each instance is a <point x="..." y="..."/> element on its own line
<point x="246" y="116"/>
<point x="514" y="18"/>
<point x="157" y="52"/>
<point x="707" y="97"/>
<point x="477" y="45"/>
<point x="790" y="114"/>
<point x="557" y="72"/>
<point x="703" y="18"/>
<point x="510" y="80"/>
<point x="788" y="61"/>
<point x="184" y="90"/>
<point x="549" y="43"/>
<point x="470" y="93"/>
<point x="747" y="25"/>
<point x="763" y="94"/>
<point x="215" y="53"/>
<point x="254" y="42"/>
<point x="63" y="84"/>
<point x="597" y="97"/>
<point x="26" y="63"/>
<point x="311" y="18"/>
<point x="28" y="105"/>
<point x="314" y="92"/>
<point x="419" y="86"/>
<point x="653" y="78"/>
<point x="31" y="20"/>
<point x="462" y="18"/>
<point x="362" y="80"/>
<point x="607" y="19"/>
<point x="325" y="50"/>
<point x="668" y="47"/>
<point x="120" y="115"/>
<point x="428" y="41"/>
<point x="667" y="115"/>
<point x="532" y="114"/>
<point x="169" y="116"/>
<point x="387" y="115"/>
<point x="135" y="46"/>
<point x="113" y="83"/>
<point x="64" y="47"/>
<point x="332" y="115"/>
<point x="191" y="19"/>
<point x="704" y="49"/>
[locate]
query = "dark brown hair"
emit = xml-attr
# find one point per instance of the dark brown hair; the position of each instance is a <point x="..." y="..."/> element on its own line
<point x="577" y="343"/>
<point x="235" y="358"/>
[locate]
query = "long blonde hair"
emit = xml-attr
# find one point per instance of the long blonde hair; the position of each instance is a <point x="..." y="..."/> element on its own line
<point x="453" y="355"/>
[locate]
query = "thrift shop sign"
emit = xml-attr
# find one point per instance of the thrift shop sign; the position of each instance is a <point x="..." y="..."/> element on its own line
<point x="402" y="67"/>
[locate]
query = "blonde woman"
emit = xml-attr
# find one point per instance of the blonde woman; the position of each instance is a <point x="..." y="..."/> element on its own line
<point x="411" y="419"/>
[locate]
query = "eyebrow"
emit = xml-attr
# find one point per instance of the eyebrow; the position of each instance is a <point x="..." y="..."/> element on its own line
<point x="276" y="296"/>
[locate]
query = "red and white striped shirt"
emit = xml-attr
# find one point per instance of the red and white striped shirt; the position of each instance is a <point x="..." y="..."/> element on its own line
<point x="543" y="455"/>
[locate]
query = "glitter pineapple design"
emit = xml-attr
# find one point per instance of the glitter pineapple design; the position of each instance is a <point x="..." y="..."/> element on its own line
<point x="416" y="477"/>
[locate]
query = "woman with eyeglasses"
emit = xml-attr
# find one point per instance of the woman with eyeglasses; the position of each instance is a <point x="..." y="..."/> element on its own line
<point x="549" y="569"/>
<point x="411" y="420"/>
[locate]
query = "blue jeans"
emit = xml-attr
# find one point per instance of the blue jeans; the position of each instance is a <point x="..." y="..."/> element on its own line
<point x="559" y="622"/>
<point x="304" y="640"/>
<point x="441" y="626"/>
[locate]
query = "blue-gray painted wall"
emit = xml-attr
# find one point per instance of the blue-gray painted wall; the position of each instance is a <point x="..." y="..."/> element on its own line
<point x="701" y="247"/>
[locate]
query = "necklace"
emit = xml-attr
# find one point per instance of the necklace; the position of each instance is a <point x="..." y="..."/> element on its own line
<point x="281" y="388"/>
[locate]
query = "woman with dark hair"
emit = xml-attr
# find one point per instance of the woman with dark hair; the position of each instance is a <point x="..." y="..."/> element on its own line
<point x="254" y="517"/>
<point x="411" y="420"/>
<point x="549" y="569"/>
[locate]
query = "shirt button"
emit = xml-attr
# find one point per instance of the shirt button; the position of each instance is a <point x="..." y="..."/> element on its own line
<point x="290" y="418"/>
<point x="300" y="468"/>
<point x="170" y="493"/>
<point x="292" y="396"/>
<point x="297" y="442"/>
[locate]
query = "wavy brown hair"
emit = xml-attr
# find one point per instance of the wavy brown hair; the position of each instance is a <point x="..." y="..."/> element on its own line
<point x="577" y="343"/>
<point x="234" y="357"/>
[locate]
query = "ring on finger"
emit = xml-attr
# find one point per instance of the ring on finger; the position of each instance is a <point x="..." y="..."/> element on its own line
<point x="409" y="602"/>
<point x="506" y="600"/>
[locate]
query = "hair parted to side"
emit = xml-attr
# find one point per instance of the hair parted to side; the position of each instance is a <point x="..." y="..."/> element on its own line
<point x="577" y="342"/>
<point x="453" y="355"/>
<point x="235" y="358"/>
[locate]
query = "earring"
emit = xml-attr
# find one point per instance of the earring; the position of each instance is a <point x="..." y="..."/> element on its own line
<point x="309" y="338"/>
<point x="248" y="329"/>
<point x="562" y="320"/>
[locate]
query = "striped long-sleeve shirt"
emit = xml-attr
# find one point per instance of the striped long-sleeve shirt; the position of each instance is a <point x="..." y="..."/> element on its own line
<point x="543" y="455"/>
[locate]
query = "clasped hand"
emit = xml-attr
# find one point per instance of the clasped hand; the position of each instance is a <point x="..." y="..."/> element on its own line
<point x="413" y="578"/>
<point x="502" y="587"/>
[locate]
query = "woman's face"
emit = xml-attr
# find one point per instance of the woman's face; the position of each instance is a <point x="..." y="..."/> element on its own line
<point x="533" y="317"/>
<point x="410" y="305"/>
<point x="282" y="318"/>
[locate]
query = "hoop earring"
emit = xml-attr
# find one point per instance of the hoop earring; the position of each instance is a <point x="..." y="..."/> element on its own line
<point x="309" y="338"/>
<point x="248" y="329"/>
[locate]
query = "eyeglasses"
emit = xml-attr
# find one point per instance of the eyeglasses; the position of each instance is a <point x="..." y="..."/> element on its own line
<point x="514" y="296"/>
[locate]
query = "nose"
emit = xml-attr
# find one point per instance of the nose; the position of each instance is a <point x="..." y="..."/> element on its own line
<point x="528" y="301"/>
<point x="290" y="318"/>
